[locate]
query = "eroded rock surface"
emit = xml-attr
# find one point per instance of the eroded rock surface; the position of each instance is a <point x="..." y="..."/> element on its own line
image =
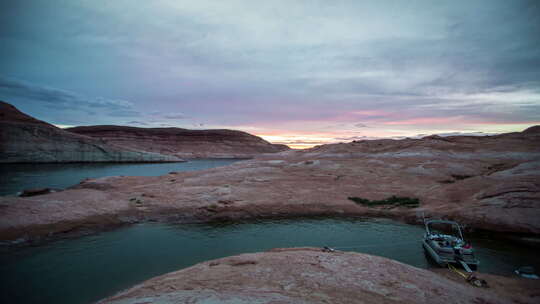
<point x="183" y="143"/>
<point x="484" y="182"/>
<point x="24" y="139"/>
<point x="307" y="275"/>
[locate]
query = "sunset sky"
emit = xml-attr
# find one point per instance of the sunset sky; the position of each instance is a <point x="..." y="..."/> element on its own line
<point x="294" y="72"/>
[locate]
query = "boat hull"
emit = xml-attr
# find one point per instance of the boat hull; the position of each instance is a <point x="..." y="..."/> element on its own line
<point x="445" y="258"/>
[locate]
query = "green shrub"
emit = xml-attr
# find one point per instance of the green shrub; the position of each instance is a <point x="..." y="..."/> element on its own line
<point x="393" y="201"/>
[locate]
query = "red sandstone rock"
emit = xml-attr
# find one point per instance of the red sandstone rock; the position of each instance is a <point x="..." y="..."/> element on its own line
<point x="307" y="275"/>
<point x="182" y="142"/>
<point x="24" y="139"/>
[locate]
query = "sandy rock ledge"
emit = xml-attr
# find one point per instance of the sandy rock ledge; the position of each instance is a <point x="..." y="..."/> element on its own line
<point x="308" y="275"/>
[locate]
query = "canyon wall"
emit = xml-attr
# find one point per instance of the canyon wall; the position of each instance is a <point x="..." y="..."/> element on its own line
<point x="24" y="139"/>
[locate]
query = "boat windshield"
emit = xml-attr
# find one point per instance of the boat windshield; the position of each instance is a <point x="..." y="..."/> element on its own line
<point x="445" y="229"/>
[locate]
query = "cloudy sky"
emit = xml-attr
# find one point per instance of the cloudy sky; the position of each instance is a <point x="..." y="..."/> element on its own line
<point x="296" y="72"/>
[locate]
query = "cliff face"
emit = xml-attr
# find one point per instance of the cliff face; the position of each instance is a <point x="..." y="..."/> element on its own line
<point x="182" y="142"/>
<point x="24" y="139"/>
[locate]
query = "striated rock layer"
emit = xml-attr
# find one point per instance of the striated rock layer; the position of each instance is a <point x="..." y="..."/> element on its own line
<point x="307" y="275"/>
<point x="489" y="183"/>
<point x="24" y="139"/>
<point x="182" y="142"/>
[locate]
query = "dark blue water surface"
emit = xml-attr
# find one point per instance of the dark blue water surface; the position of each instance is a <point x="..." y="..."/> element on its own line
<point x="17" y="177"/>
<point x="86" y="269"/>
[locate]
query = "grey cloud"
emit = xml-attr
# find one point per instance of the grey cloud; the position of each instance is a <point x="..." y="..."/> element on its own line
<point x="124" y="113"/>
<point x="176" y="116"/>
<point x="269" y="65"/>
<point x="57" y="98"/>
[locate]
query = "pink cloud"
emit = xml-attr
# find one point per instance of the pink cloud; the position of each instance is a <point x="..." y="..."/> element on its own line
<point x="426" y="121"/>
<point x="369" y="113"/>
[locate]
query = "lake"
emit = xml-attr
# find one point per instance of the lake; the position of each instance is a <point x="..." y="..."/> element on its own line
<point x="89" y="268"/>
<point x="17" y="177"/>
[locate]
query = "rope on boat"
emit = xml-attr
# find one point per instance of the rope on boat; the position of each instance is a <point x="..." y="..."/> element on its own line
<point x="454" y="269"/>
<point x="471" y="278"/>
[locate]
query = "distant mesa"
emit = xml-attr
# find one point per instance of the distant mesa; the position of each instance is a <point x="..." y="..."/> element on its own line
<point x="25" y="139"/>
<point x="184" y="143"/>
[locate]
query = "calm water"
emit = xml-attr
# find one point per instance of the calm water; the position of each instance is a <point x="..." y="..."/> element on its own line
<point x="17" y="177"/>
<point x="89" y="268"/>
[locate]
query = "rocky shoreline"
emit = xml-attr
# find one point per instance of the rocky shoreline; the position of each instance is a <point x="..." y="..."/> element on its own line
<point x="309" y="275"/>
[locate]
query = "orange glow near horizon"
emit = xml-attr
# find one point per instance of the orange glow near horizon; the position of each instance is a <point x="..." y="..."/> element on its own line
<point x="298" y="139"/>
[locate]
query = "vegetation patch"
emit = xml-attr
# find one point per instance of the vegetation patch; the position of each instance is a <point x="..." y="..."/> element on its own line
<point x="212" y="208"/>
<point x="460" y="177"/>
<point x="392" y="201"/>
<point x="447" y="181"/>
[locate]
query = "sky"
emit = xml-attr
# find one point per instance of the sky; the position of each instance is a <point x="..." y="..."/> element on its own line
<point x="295" y="72"/>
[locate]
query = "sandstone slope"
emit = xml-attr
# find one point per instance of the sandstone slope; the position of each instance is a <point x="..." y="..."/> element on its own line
<point x="307" y="275"/>
<point x="24" y="139"/>
<point x="183" y="142"/>
<point x="489" y="183"/>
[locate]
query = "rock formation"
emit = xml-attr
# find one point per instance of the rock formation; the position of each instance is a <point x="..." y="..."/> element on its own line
<point x="182" y="142"/>
<point x="490" y="182"/>
<point x="24" y="139"/>
<point x="307" y="275"/>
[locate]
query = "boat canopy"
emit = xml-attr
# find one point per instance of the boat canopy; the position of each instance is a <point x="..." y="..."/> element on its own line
<point x="456" y="227"/>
